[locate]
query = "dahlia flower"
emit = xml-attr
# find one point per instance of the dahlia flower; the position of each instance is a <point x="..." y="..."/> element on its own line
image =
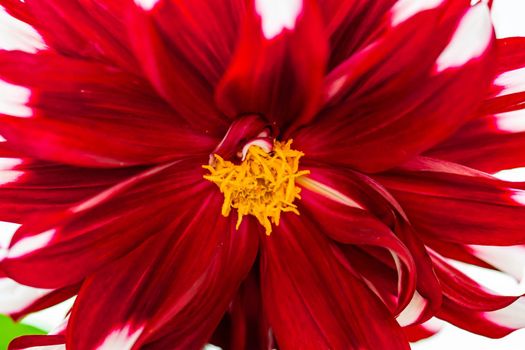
<point x="292" y="174"/>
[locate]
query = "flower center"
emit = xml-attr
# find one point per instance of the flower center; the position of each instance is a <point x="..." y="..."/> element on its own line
<point x="262" y="185"/>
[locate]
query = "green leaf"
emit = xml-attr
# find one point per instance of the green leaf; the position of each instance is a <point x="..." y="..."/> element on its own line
<point x="10" y="330"/>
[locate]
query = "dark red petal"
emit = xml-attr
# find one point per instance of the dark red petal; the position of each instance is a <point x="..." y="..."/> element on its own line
<point x="245" y="325"/>
<point x="171" y="292"/>
<point x="172" y="74"/>
<point x="449" y="202"/>
<point x="90" y="29"/>
<point x="351" y="23"/>
<point x="201" y="33"/>
<point x="403" y="93"/>
<point x="114" y="222"/>
<point x="315" y="302"/>
<point x="84" y="113"/>
<point x="279" y="65"/>
<point x="40" y="342"/>
<point x="29" y="186"/>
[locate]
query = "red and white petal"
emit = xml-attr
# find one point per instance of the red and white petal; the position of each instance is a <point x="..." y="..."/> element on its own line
<point x="313" y="300"/>
<point x="466" y="292"/>
<point x="88" y="114"/>
<point x="38" y="342"/>
<point x="490" y="143"/>
<point x="172" y="72"/>
<point x="279" y="64"/>
<point x="177" y="284"/>
<point x="18" y="35"/>
<point x="423" y="331"/>
<point x="381" y="214"/>
<point x="404" y="10"/>
<point x="114" y="222"/>
<point x="493" y="324"/>
<point x="87" y="29"/>
<point x="455" y="251"/>
<point x="337" y="216"/>
<point x="449" y="202"/>
<point x="475" y="308"/>
<point x="494" y="139"/>
<point x="376" y="99"/>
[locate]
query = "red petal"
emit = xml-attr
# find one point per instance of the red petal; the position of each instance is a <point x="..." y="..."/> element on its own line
<point x="278" y="67"/>
<point x="511" y="54"/>
<point x="350" y="23"/>
<point x="90" y="114"/>
<point x="113" y="222"/>
<point x="171" y="72"/>
<point x="386" y="104"/>
<point x="313" y="301"/>
<point x="172" y="291"/>
<point x="453" y="203"/>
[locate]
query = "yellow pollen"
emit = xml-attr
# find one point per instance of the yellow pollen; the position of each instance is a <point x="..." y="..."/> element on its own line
<point x="263" y="185"/>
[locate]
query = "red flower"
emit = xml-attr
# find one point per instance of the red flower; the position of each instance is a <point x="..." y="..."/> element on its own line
<point x="396" y="109"/>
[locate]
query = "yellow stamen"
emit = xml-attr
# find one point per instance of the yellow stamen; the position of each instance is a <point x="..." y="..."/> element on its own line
<point x="263" y="185"/>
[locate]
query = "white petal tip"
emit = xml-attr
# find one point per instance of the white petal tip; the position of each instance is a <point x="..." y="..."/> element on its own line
<point x="511" y="82"/>
<point x="511" y="175"/>
<point x="405" y="9"/>
<point x="29" y="244"/>
<point x="413" y="311"/>
<point x="146" y="5"/>
<point x="277" y="15"/>
<point x="13" y="100"/>
<point x="471" y="39"/>
<point x="17" y="35"/>
<point x="121" y="339"/>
